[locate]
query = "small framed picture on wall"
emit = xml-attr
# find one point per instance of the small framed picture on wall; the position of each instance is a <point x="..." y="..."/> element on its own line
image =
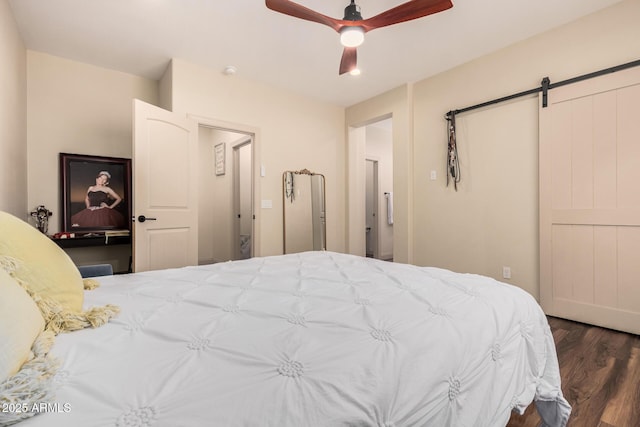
<point x="219" y="153"/>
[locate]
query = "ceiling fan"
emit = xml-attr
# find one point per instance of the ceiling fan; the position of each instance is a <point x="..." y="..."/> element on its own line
<point x="353" y="27"/>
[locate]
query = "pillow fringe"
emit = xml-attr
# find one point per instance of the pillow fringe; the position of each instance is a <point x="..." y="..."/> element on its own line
<point x="32" y="384"/>
<point x="90" y="284"/>
<point x="58" y="318"/>
<point x="67" y="321"/>
<point x="43" y="343"/>
<point x="9" y="264"/>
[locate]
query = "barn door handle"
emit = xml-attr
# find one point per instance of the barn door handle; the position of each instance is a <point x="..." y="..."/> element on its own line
<point x="142" y="218"/>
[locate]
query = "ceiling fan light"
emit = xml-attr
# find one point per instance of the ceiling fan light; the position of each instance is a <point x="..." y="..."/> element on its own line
<point x="351" y="36"/>
<point x="355" y="72"/>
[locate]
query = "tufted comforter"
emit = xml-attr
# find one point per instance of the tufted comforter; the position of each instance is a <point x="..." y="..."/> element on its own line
<point x="311" y="339"/>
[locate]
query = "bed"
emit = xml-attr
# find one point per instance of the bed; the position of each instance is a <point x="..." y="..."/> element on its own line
<point x="308" y="339"/>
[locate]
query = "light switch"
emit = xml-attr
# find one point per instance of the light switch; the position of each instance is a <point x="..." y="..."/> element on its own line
<point x="434" y="175"/>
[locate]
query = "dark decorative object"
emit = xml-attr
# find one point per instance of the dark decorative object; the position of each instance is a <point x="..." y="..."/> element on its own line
<point x="41" y="215"/>
<point x="453" y="163"/>
<point x="96" y="193"/>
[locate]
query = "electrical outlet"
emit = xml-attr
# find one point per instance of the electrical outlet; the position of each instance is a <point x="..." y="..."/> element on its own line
<point x="506" y="272"/>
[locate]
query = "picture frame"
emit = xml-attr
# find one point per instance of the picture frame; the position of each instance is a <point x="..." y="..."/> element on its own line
<point x="219" y="151"/>
<point x="95" y="193"/>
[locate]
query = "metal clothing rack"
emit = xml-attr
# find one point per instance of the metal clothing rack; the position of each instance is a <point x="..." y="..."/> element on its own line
<point x="545" y="85"/>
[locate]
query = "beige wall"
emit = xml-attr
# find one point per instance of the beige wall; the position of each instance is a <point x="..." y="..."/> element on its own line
<point x="492" y="221"/>
<point x="79" y="108"/>
<point x="13" y="117"/>
<point x="292" y="133"/>
<point x="82" y="109"/>
<point x="76" y="108"/>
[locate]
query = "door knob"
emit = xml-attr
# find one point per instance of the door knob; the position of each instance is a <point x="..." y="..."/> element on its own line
<point x="142" y="218"/>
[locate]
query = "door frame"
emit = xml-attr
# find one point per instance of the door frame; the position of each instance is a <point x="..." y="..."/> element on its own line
<point x="402" y="186"/>
<point x="254" y="134"/>
<point x="375" y="235"/>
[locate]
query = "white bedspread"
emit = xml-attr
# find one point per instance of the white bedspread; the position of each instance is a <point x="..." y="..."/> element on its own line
<point x="311" y="339"/>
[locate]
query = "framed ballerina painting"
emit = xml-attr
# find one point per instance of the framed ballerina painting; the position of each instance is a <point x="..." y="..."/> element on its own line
<point x="96" y="193"/>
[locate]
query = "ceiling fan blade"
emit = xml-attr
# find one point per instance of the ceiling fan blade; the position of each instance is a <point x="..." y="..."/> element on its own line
<point x="413" y="9"/>
<point x="298" y="11"/>
<point x="349" y="61"/>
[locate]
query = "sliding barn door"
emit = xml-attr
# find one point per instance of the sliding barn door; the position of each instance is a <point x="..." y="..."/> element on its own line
<point x="590" y="201"/>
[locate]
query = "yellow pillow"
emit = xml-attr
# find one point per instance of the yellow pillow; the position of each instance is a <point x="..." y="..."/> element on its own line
<point x="49" y="277"/>
<point x="20" y="324"/>
<point x="34" y="259"/>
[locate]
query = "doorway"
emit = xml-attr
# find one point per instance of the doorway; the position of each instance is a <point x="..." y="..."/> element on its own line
<point x="372" y="140"/>
<point x="379" y="180"/>
<point x="226" y="208"/>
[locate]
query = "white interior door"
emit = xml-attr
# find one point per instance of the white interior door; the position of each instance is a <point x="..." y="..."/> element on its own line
<point x="243" y="200"/>
<point x="590" y="201"/>
<point x="165" y="202"/>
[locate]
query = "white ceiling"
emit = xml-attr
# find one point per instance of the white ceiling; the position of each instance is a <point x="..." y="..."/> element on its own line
<point x="140" y="37"/>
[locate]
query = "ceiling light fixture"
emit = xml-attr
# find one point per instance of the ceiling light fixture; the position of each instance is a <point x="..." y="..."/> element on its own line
<point x="352" y="36"/>
<point x="355" y="72"/>
<point x="229" y="70"/>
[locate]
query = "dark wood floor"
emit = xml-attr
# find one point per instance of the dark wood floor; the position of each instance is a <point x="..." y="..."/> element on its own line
<point x="600" y="371"/>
